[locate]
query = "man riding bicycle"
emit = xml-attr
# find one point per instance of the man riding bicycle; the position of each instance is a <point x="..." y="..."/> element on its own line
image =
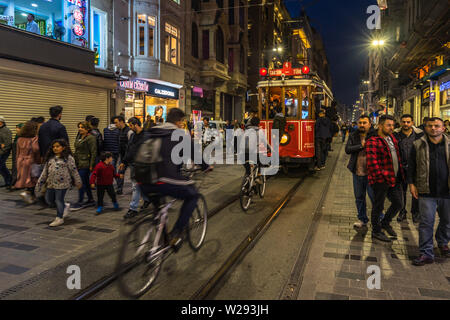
<point x="258" y="140"/>
<point x="171" y="182"/>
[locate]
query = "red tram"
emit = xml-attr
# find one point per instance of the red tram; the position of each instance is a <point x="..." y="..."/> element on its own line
<point x="298" y="94"/>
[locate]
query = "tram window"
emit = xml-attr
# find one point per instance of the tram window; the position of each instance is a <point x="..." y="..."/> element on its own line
<point x="291" y="102"/>
<point x="305" y="109"/>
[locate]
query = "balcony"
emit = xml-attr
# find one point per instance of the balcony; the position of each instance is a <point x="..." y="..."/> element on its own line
<point x="238" y="82"/>
<point x="28" y="47"/>
<point x="214" y="72"/>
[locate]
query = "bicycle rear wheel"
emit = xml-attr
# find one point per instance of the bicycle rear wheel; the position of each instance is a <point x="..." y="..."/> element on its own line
<point x="198" y="222"/>
<point x="245" y="197"/>
<point x="138" y="269"/>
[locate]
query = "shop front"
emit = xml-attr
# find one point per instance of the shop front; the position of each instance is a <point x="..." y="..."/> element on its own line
<point x="444" y="98"/>
<point x="425" y="105"/>
<point x="143" y="98"/>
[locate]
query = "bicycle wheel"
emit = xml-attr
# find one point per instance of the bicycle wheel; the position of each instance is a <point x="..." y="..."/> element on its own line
<point x="137" y="273"/>
<point x="262" y="186"/>
<point x="245" y="197"/>
<point x="197" y="224"/>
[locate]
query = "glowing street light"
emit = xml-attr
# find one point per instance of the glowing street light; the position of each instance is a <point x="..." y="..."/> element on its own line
<point x="378" y="43"/>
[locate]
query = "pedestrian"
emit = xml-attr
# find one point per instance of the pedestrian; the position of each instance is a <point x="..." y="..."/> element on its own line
<point x="334" y="128"/>
<point x="59" y="174"/>
<point x="424" y="121"/>
<point x="14" y="156"/>
<point x="406" y="135"/>
<point x="322" y="133"/>
<point x="429" y="182"/>
<point x="124" y="136"/>
<point x="28" y="160"/>
<point x="85" y="153"/>
<point x="135" y="142"/>
<point x="148" y="123"/>
<point x="52" y="130"/>
<point x="447" y="127"/>
<point x="103" y="175"/>
<point x="98" y="137"/>
<point x="5" y="150"/>
<point x="279" y="121"/>
<point x="358" y="167"/>
<point x="111" y="142"/>
<point x="385" y="173"/>
<point x="344" y="130"/>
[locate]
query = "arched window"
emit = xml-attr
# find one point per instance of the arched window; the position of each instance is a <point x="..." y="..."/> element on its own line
<point x="219" y="45"/>
<point x="194" y="40"/>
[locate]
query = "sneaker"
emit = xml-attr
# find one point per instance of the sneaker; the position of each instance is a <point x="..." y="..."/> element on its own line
<point x="322" y="167"/>
<point x="116" y="206"/>
<point x="401" y="216"/>
<point x="359" y="224"/>
<point x="445" y="251"/>
<point x="57" y="222"/>
<point x="66" y="210"/>
<point x="389" y="230"/>
<point x="89" y="203"/>
<point x="27" y="197"/>
<point x="317" y="168"/>
<point x="76" y="206"/>
<point x="130" y="214"/>
<point x="145" y="205"/>
<point x="99" y="210"/>
<point x="175" y="239"/>
<point x="422" y="260"/>
<point x="380" y="236"/>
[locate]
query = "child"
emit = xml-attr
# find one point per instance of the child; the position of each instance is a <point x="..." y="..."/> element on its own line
<point x="104" y="173"/>
<point x="58" y="176"/>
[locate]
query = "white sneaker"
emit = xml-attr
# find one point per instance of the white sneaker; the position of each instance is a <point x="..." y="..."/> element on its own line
<point x="57" y="222"/>
<point x="359" y="224"/>
<point x="27" y="197"/>
<point x="66" y="210"/>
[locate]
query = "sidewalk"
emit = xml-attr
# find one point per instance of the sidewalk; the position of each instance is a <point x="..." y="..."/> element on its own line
<point x="339" y="255"/>
<point x="29" y="247"/>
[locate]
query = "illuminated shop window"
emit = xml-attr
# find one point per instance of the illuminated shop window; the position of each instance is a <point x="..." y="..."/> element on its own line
<point x="172" y="44"/>
<point x="64" y="20"/>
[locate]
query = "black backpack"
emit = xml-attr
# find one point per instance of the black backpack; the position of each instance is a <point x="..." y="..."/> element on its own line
<point x="147" y="160"/>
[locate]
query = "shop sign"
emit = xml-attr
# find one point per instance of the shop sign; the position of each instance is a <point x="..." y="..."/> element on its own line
<point x="159" y="90"/>
<point x="138" y="85"/>
<point x="197" y="91"/>
<point x="444" y="86"/>
<point x="78" y="11"/>
<point x="288" y="71"/>
<point x="426" y="93"/>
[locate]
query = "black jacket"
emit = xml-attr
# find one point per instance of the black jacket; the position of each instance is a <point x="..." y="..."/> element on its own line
<point x="123" y="140"/>
<point x="323" y="128"/>
<point x="49" y="131"/>
<point x="405" y="143"/>
<point x="98" y="136"/>
<point x="133" y="147"/>
<point x="169" y="172"/>
<point x="354" y="146"/>
<point x="111" y="139"/>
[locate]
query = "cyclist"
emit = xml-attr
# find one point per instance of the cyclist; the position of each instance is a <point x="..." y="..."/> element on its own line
<point x="171" y="182"/>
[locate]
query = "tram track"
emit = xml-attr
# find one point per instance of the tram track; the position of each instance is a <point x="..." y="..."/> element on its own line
<point x="237" y="254"/>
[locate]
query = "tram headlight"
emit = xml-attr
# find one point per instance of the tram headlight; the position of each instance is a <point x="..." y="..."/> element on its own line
<point x="285" y="139"/>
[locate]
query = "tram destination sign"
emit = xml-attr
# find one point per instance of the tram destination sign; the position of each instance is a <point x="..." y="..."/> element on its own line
<point x="288" y="71"/>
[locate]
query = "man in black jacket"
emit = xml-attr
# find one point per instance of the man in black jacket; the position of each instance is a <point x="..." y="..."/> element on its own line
<point x="52" y="130"/>
<point x="124" y="136"/>
<point x="98" y="136"/>
<point x="406" y="135"/>
<point x="358" y="166"/>
<point x="323" y="132"/>
<point x="138" y="136"/>
<point x="171" y="182"/>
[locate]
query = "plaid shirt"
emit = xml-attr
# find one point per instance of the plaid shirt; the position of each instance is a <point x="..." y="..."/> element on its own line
<point x="379" y="160"/>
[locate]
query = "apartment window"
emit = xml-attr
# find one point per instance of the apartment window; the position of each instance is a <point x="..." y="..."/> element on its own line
<point x="146" y="26"/>
<point x="172" y="44"/>
<point x="205" y="44"/>
<point x="219" y="45"/>
<point x="231" y="12"/>
<point x="99" y="36"/>
<point x="194" y="41"/>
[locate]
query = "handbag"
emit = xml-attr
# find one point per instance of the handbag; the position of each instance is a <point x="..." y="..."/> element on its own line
<point x="36" y="170"/>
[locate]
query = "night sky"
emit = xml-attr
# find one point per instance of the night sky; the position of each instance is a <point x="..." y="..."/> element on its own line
<point x="342" y="24"/>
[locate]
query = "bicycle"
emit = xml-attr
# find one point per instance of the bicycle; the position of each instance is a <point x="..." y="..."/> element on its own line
<point x="249" y="186"/>
<point x="148" y="242"/>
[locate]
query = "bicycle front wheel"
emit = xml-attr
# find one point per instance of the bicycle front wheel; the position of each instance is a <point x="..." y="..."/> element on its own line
<point x="245" y="197"/>
<point x="262" y="186"/>
<point x="139" y="262"/>
<point x="197" y="224"/>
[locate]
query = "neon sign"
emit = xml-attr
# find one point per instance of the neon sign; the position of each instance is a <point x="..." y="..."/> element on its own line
<point x="78" y="24"/>
<point x="138" y="85"/>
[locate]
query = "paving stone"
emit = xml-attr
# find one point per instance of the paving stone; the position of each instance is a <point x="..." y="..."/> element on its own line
<point x="330" y="296"/>
<point x="349" y="275"/>
<point x="13" y="269"/>
<point x="434" y="293"/>
<point x="350" y="291"/>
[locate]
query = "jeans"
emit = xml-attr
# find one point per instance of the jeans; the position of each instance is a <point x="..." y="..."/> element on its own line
<point x="360" y="188"/>
<point x="427" y="209"/>
<point x="343" y="136"/>
<point x="395" y="196"/>
<point x="414" y="202"/>
<point x="56" y="197"/>
<point x="136" y="195"/>
<point x="188" y="193"/>
<point x="4" y="170"/>
<point x="101" y="194"/>
<point x="121" y="181"/>
<point x="84" y="174"/>
<point x="321" y="151"/>
<point x="115" y="163"/>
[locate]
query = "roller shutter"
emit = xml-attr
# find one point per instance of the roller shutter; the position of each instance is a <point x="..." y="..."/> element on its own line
<point x="22" y="98"/>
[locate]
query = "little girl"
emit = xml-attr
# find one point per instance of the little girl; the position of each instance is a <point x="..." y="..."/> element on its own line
<point x="58" y="176"/>
<point x="104" y="174"/>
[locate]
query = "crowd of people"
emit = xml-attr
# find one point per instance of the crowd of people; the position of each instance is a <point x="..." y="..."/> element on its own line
<point x="385" y="161"/>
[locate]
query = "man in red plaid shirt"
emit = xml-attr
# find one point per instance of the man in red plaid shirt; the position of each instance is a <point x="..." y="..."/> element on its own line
<point x="385" y="175"/>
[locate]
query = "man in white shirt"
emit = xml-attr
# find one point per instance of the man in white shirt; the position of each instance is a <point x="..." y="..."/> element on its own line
<point x="32" y="26"/>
